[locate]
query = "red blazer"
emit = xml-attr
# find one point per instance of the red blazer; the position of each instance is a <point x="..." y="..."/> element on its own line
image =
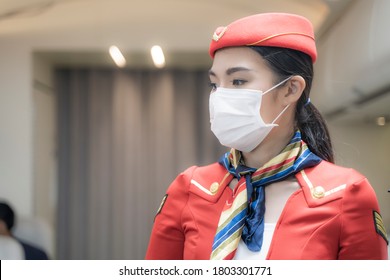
<point x="334" y="215"/>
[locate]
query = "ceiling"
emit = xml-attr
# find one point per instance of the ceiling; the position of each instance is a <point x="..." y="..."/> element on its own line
<point x="44" y="15"/>
<point x="86" y="28"/>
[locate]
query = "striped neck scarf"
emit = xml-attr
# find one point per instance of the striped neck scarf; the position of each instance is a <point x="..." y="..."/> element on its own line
<point x="243" y="217"/>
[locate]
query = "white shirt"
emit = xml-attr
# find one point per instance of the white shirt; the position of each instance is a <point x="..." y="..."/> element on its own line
<point x="243" y="253"/>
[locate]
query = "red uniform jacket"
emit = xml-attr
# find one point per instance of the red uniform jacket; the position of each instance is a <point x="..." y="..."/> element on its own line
<point x="334" y="215"/>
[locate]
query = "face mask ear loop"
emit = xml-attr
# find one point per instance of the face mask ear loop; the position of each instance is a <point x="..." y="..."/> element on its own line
<point x="275" y="86"/>
<point x="273" y="122"/>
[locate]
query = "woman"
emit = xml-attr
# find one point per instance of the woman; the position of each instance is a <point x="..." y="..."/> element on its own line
<point x="277" y="193"/>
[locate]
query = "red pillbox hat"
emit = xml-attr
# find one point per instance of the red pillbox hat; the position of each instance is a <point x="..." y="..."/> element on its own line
<point x="269" y="29"/>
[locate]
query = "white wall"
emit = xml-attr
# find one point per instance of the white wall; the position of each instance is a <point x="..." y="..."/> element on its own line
<point x="44" y="142"/>
<point x="16" y="125"/>
<point x="27" y="132"/>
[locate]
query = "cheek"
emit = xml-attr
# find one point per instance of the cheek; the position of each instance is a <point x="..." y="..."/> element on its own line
<point x="268" y="109"/>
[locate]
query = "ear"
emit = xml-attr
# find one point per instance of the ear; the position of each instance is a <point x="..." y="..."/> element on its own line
<point x="295" y="87"/>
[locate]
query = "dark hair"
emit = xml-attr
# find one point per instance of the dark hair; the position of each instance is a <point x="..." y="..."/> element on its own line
<point x="285" y="63"/>
<point x="7" y="215"/>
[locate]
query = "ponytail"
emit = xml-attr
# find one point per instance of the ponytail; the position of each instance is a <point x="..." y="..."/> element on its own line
<point x="287" y="62"/>
<point x="314" y="130"/>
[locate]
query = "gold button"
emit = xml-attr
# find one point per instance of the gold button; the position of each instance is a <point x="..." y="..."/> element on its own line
<point x="318" y="192"/>
<point x="214" y="187"/>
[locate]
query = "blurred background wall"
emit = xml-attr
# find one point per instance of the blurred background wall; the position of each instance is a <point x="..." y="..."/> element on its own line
<point x="41" y="38"/>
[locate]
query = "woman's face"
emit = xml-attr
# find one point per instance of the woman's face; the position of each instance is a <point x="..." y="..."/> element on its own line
<point x="243" y="68"/>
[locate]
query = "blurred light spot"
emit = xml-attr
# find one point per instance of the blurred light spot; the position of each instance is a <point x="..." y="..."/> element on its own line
<point x="158" y="56"/>
<point x="117" y="56"/>
<point x="381" y="121"/>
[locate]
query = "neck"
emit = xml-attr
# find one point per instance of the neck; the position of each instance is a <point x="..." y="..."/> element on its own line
<point x="272" y="145"/>
<point x="4" y="229"/>
<point x="5" y="232"/>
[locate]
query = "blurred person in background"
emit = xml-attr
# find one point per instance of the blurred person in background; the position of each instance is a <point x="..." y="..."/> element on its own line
<point x="7" y="221"/>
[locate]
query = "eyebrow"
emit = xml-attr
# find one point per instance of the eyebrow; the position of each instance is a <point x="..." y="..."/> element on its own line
<point x="231" y="70"/>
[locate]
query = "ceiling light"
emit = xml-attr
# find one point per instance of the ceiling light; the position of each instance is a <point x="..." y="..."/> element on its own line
<point x="158" y="56"/>
<point x="117" y="56"/>
<point x="381" y="121"/>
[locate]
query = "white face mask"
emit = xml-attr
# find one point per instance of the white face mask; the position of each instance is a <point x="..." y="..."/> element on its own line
<point x="235" y="117"/>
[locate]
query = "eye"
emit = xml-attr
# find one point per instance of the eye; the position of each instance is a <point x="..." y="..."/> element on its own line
<point x="213" y="86"/>
<point x="238" y="82"/>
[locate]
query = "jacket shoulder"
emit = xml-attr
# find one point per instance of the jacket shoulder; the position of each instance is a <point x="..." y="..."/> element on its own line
<point x="327" y="182"/>
<point x="209" y="181"/>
